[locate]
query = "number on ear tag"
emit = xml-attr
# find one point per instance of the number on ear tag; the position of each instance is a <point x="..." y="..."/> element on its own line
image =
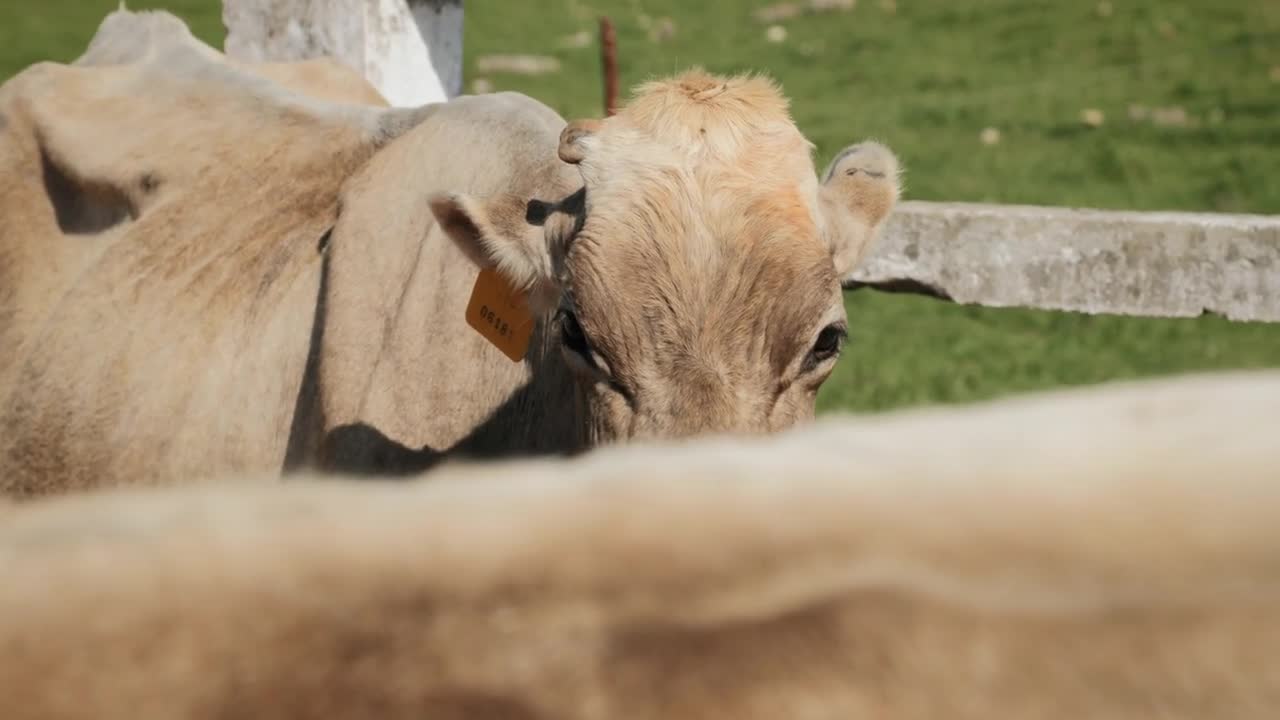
<point x="501" y="314"/>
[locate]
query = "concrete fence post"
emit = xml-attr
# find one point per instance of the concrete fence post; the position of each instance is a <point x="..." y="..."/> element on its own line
<point x="410" y="50"/>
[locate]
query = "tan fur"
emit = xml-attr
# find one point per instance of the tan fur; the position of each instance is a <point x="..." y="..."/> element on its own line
<point x="397" y="353"/>
<point x="323" y="79"/>
<point x="1101" y="553"/>
<point x="158" y="262"/>
<point x="213" y="268"/>
<point x="294" y="320"/>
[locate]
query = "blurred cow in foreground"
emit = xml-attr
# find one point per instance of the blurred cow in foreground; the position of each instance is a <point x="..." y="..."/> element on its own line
<point x="1103" y="553"/>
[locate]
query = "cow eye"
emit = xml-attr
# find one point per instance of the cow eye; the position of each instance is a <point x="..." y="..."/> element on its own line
<point x="571" y="334"/>
<point x="828" y="344"/>
<point x="575" y="341"/>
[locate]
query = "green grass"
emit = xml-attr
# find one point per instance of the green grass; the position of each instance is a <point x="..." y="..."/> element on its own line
<point x="927" y="78"/>
<point x="908" y="350"/>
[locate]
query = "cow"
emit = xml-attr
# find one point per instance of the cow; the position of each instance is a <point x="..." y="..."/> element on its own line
<point x="1106" y="552"/>
<point x="204" y="271"/>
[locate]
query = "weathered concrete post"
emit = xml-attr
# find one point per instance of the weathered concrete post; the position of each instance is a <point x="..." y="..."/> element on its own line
<point x="1154" y="264"/>
<point x="410" y="50"/>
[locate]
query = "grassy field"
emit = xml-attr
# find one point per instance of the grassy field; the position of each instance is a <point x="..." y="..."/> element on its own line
<point x="928" y="77"/>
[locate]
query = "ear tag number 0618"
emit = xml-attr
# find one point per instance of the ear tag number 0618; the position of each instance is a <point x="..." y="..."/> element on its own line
<point x="500" y="313"/>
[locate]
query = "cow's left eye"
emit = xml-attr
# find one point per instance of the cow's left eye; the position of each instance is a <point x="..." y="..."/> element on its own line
<point x="828" y="344"/>
<point x="572" y="336"/>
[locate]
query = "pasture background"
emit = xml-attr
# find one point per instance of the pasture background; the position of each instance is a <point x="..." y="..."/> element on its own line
<point x="927" y="77"/>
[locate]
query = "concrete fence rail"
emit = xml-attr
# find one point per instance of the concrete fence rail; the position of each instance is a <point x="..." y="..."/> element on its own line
<point x="1160" y="264"/>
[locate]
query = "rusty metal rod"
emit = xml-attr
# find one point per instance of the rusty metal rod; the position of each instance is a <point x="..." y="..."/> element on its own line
<point x="609" y="60"/>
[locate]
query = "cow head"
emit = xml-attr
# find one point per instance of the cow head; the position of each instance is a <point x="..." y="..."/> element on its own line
<point x="694" y="281"/>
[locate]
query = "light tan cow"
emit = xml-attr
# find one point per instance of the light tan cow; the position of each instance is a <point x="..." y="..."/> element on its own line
<point x="205" y="272"/>
<point x="1110" y="553"/>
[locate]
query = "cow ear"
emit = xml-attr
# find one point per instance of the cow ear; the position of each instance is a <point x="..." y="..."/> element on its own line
<point x="577" y="140"/>
<point x="859" y="190"/>
<point x="498" y="232"/>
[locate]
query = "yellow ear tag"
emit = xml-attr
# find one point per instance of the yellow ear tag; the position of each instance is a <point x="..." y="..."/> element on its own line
<point x="501" y="314"/>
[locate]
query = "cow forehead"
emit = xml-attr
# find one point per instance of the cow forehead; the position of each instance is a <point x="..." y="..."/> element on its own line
<point x="692" y="221"/>
<point x="702" y="217"/>
<point x="686" y="262"/>
<point x="707" y="162"/>
<point x="687" y="217"/>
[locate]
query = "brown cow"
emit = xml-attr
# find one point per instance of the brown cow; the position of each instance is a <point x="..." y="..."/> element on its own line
<point x="203" y="271"/>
